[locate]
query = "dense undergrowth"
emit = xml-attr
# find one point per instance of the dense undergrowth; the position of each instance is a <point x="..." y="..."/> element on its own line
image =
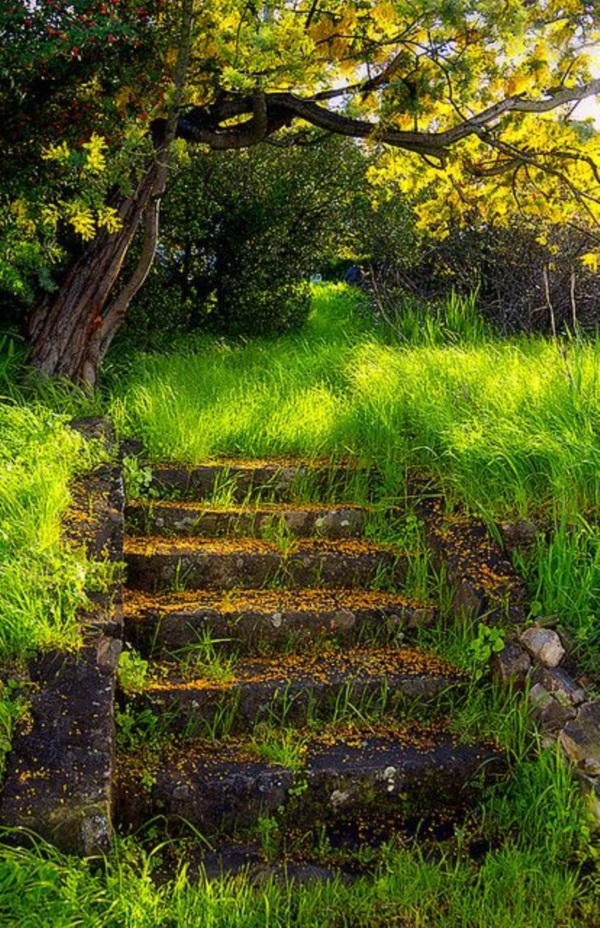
<point x="507" y="427"/>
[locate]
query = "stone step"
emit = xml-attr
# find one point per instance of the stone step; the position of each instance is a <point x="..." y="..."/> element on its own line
<point x="350" y="779"/>
<point x="194" y="563"/>
<point x="226" y="856"/>
<point x="269" y="520"/>
<point x="250" y="621"/>
<point x="197" y="698"/>
<point x="239" y="481"/>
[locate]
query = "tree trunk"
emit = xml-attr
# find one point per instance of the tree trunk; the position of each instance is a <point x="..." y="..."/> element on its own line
<point x="62" y="329"/>
<point x="70" y="335"/>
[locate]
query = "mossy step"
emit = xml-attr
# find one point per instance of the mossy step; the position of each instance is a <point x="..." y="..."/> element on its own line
<point x="197" y="562"/>
<point x="272" y="519"/>
<point x="238" y="480"/>
<point x="293" y="688"/>
<point x="247" y="621"/>
<point x="356" y="781"/>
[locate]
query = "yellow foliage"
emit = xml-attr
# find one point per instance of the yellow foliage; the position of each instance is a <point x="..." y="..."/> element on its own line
<point x="109" y="219"/>
<point x="20" y="211"/>
<point x="123" y="97"/>
<point x="96" y="159"/>
<point x="384" y="14"/>
<point x="591" y="261"/>
<point x="59" y="152"/>
<point x="81" y="218"/>
<point x="443" y="63"/>
<point x="50" y="215"/>
<point x="519" y="83"/>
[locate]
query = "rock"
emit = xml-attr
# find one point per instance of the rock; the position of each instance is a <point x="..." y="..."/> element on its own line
<point x="95" y="427"/>
<point x="522" y="533"/>
<point x="558" y="682"/>
<point x="389" y="775"/>
<point x="581" y="739"/>
<point x="591" y="789"/>
<point x="339" y="798"/>
<point x="551" y="714"/>
<point x="539" y="697"/>
<point x="132" y="448"/>
<point x="108" y="652"/>
<point x="343" y="618"/>
<point x="512" y="664"/>
<point x="544" y="645"/>
<point x="297" y="522"/>
<point x="554" y="716"/>
<point x="292" y="872"/>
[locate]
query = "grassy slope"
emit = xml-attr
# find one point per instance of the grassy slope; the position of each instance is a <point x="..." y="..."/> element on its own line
<point x="41" y="580"/>
<point x="507" y="425"/>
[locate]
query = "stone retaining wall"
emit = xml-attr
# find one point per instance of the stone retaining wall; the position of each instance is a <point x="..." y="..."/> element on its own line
<point x="536" y="657"/>
<point x="60" y="770"/>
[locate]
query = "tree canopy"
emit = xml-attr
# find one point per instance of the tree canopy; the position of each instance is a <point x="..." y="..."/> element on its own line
<point x="472" y="102"/>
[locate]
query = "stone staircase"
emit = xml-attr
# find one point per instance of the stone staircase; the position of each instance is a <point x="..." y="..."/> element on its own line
<point x="285" y="690"/>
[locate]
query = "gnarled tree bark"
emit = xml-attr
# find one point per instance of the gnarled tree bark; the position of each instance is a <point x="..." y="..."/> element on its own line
<point x="63" y="329"/>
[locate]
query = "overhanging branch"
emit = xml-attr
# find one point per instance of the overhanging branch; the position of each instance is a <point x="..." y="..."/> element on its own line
<point x="270" y="112"/>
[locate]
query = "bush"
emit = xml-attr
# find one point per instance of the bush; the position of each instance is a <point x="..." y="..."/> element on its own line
<point x="252" y="310"/>
<point x="241" y="234"/>
<point x="523" y="284"/>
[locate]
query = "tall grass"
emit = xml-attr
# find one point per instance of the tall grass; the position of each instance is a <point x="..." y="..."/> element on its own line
<point x="11" y="360"/>
<point x="513" y="887"/>
<point x="506" y="425"/>
<point x="564" y="578"/>
<point x="42" y="581"/>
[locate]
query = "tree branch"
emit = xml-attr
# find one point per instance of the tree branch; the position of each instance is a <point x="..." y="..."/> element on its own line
<point x="271" y="111"/>
<point x="202" y="126"/>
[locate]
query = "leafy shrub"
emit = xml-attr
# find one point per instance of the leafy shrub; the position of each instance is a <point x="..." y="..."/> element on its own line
<point x="131" y="671"/>
<point x="254" y="311"/>
<point x="242" y="232"/>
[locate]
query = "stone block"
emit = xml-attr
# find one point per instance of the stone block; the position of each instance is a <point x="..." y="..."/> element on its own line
<point x="59" y="773"/>
<point x="544" y="645"/>
<point x="522" y="533"/>
<point x="558" y="682"/>
<point x="548" y="711"/>
<point x="581" y="739"/>
<point x="512" y="664"/>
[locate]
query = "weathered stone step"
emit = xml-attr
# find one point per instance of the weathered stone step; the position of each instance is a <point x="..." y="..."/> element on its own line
<point x="238" y="481"/>
<point x="292" y="688"/>
<point x="247" y="621"/>
<point x="227" y="856"/>
<point x="192" y="563"/>
<point x="170" y="517"/>
<point x="345" y="778"/>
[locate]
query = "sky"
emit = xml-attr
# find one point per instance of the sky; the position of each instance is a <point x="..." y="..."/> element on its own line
<point x="587" y="108"/>
<point x="591" y="107"/>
